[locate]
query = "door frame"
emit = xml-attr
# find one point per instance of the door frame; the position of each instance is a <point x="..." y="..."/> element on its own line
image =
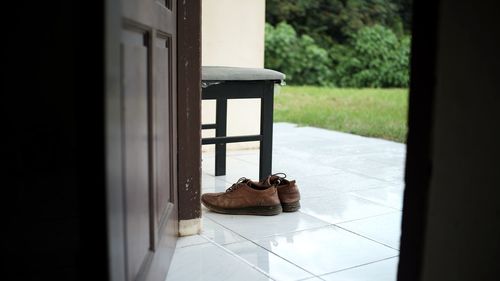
<point x="188" y="127"/>
<point x="418" y="167"/>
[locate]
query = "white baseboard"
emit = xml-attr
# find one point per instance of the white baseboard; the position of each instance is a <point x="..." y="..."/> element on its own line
<point x="190" y="227"/>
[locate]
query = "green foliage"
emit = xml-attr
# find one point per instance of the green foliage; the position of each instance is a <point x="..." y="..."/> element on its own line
<point x="297" y="56"/>
<point x="346" y="43"/>
<point x="334" y="21"/>
<point x="374" y="57"/>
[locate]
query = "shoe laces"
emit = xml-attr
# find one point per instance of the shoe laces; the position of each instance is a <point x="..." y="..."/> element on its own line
<point x="281" y="177"/>
<point x="236" y="185"/>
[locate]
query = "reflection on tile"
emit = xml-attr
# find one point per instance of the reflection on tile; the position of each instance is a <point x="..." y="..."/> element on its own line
<point x="219" y="234"/>
<point x="327" y="249"/>
<point x="250" y="157"/>
<point x="341" y="207"/>
<point x="383" y="172"/>
<point x="213" y="184"/>
<point x="254" y="227"/>
<point x="190" y="240"/>
<point x="385" y="270"/>
<point x="276" y="267"/>
<point x="390" y="197"/>
<point x="318" y="186"/>
<point x="235" y="169"/>
<point x="210" y="262"/>
<point x="296" y="167"/>
<point x="385" y="229"/>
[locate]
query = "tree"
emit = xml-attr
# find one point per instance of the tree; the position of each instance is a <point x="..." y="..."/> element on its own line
<point x="298" y="57"/>
<point x="333" y="21"/>
<point x="374" y="57"/>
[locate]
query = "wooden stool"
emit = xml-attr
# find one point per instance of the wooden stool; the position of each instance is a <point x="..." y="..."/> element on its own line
<point x="222" y="83"/>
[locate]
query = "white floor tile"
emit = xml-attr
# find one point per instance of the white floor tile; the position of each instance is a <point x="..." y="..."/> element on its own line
<point x="252" y="158"/>
<point x="255" y="227"/>
<point x="390" y="197"/>
<point x="327" y="249"/>
<point x="385" y="229"/>
<point x="318" y="186"/>
<point x="191" y="240"/>
<point x="388" y="158"/>
<point x="219" y="234"/>
<point x="385" y="270"/>
<point x="382" y="172"/>
<point x="276" y="267"/>
<point x="235" y="169"/>
<point x="209" y="262"/>
<point x="296" y="167"/>
<point x="353" y="181"/>
<point x="312" y="279"/>
<point x="341" y="207"/>
<point x="210" y="183"/>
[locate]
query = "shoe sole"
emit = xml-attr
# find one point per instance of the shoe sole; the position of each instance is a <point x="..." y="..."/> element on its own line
<point x="290" y="207"/>
<point x="257" y="210"/>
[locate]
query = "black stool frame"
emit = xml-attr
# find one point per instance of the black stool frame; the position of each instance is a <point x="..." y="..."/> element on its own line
<point x="221" y="92"/>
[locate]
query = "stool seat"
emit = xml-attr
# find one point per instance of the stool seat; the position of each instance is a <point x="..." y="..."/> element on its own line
<point x="227" y="73"/>
<point x="221" y="83"/>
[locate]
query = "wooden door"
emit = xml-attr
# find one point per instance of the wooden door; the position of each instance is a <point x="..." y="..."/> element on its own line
<point x="148" y="89"/>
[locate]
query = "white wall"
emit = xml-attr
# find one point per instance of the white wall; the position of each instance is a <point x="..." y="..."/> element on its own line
<point x="233" y="32"/>
<point x="233" y="35"/>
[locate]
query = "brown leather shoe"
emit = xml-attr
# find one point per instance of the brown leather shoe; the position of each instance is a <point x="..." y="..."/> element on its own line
<point x="288" y="191"/>
<point x="244" y="198"/>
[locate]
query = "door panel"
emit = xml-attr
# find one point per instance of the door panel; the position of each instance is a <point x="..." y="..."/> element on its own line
<point x="162" y="123"/>
<point x="144" y="112"/>
<point x="149" y="125"/>
<point x="135" y="112"/>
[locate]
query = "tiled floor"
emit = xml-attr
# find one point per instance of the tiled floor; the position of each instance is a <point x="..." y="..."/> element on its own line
<point x="347" y="229"/>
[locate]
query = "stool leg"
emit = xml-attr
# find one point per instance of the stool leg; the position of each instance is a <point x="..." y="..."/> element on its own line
<point x="266" y="130"/>
<point x="220" y="131"/>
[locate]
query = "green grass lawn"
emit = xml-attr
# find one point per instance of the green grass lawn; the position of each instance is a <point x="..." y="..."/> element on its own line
<point x="379" y="113"/>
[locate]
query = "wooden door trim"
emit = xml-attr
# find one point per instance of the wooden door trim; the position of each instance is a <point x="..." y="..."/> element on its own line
<point x="419" y="149"/>
<point x="189" y="120"/>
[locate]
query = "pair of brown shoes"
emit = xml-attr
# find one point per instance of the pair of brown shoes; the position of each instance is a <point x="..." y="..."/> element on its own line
<point x="270" y="196"/>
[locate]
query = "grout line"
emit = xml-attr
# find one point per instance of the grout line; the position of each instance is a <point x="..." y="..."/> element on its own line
<point x="368" y="217"/>
<point x="291" y="262"/>
<point x="279" y="256"/>
<point x="359" y="198"/>
<point x="223" y="226"/>
<point x="255" y="243"/>
<point x="368" y="238"/>
<point x="326" y="224"/>
<point x="231" y="253"/>
<point x="361" y="174"/>
<point x="195" y="244"/>
<point x="360" y="265"/>
<point x="375" y="202"/>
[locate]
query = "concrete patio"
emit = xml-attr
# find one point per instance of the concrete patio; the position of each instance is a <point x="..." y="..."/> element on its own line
<point x="347" y="229"/>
